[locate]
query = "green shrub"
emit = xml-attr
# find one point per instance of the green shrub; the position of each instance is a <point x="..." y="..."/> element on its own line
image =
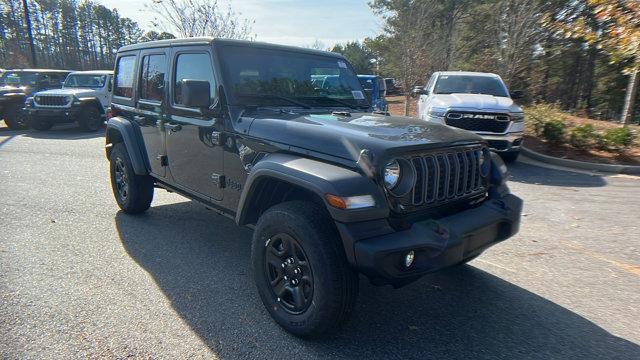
<point x="537" y="115"/>
<point x="618" y="138"/>
<point x="584" y="137"/>
<point x="554" y="131"/>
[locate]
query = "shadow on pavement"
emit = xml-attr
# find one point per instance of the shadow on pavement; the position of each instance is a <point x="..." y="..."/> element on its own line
<point x="58" y="132"/>
<point x="65" y="132"/>
<point x="201" y="263"/>
<point x="537" y="175"/>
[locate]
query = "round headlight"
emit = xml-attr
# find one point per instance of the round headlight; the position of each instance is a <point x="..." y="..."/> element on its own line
<point x="391" y="174"/>
<point x="67" y="99"/>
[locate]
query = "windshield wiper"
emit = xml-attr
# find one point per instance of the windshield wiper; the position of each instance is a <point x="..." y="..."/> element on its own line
<point x="270" y="96"/>
<point x="337" y="101"/>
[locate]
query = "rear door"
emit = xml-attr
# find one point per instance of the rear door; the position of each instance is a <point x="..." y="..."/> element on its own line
<point x="194" y="138"/>
<point x="150" y="105"/>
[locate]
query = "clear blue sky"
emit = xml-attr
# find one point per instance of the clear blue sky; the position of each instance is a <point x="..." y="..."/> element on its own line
<point x="291" y="22"/>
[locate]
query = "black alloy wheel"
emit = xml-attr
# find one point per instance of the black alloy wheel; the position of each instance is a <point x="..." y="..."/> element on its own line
<point x="289" y="273"/>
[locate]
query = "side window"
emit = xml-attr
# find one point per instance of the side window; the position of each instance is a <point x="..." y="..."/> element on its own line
<point x="124" y="76"/>
<point x="154" y="68"/>
<point x="193" y="67"/>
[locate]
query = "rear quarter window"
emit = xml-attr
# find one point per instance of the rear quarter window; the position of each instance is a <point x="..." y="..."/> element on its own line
<point x="125" y="72"/>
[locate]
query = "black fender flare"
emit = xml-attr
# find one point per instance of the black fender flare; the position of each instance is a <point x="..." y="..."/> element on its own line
<point x="318" y="177"/>
<point x="121" y="130"/>
<point x="91" y="101"/>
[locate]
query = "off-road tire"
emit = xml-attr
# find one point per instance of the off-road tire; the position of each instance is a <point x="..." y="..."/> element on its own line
<point x="90" y="119"/>
<point x="139" y="188"/>
<point x="16" y="118"/>
<point x="510" y="157"/>
<point x="335" y="284"/>
<point x="40" y="124"/>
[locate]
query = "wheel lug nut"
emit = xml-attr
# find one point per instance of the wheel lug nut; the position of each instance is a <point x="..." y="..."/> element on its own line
<point x="283" y="265"/>
<point x="286" y="278"/>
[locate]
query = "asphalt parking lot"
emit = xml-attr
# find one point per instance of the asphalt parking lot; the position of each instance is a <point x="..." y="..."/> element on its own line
<point x="79" y="279"/>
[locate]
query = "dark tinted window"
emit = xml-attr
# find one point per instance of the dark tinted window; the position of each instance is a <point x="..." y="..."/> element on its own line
<point x="152" y="80"/>
<point x="193" y="67"/>
<point x="466" y="84"/>
<point x="124" y="76"/>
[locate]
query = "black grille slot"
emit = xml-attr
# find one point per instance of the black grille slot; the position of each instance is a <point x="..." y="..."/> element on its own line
<point x="50" y="100"/>
<point x="495" y="123"/>
<point x="444" y="177"/>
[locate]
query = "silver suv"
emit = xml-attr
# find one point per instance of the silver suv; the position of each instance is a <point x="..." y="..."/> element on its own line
<point x="84" y="98"/>
<point x="478" y="102"/>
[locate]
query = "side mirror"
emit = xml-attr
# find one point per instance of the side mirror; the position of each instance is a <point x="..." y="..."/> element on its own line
<point x="418" y="90"/>
<point x="195" y="93"/>
<point x="517" y="94"/>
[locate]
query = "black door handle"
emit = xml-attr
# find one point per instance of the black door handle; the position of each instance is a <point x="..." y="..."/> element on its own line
<point x="173" y="127"/>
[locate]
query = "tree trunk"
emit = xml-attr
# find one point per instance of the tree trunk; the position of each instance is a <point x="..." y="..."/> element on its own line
<point x="407" y="98"/>
<point x="630" y="97"/>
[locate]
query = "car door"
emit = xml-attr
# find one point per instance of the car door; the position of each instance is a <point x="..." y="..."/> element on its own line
<point x="194" y="137"/>
<point x="150" y="104"/>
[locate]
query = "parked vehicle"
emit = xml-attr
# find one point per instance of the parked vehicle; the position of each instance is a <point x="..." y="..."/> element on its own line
<point x="392" y="87"/>
<point x="84" y="98"/>
<point x="375" y="90"/>
<point x="17" y="85"/>
<point x="331" y="189"/>
<point x="479" y="102"/>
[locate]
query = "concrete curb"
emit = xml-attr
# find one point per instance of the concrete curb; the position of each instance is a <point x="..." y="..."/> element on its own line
<point x="617" y="169"/>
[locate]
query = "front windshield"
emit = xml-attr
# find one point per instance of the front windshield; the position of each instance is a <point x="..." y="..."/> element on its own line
<point x="465" y="84"/>
<point x="85" y="81"/>
<point x="18" y="78"/>
<point x="262" y="77"/>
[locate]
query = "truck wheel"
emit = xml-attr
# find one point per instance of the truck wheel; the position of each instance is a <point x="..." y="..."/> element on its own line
<point x="301" y="271"/>
<point x="16" y="119"/>
<point x="90" y="119"/>
<point x="510" y="157"/>
<point x="40" y="124"/>
<point x="132" y="192"/>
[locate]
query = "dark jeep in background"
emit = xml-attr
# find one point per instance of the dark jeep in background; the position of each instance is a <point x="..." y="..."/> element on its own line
<point x="17" y="85"/>
<point x="332" y="189"/>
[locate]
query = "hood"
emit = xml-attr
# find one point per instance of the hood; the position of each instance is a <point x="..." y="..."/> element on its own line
<point x="475" y="102"/>
<point x="11" y="89"/>
<point x="78" y="92"/>
<point x="346" y="136"/>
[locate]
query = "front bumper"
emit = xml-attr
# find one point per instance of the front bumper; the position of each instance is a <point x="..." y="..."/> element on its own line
<point x="504" y="143"/>
<point x="53" y="114"/>
<point x="437" y="244"/>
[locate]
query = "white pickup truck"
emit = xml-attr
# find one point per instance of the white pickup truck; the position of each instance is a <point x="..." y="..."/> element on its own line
<point x="478" y="102"/>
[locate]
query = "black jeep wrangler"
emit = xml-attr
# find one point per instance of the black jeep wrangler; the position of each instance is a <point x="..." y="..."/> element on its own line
<point x="331" y="188"/>
<point x="16" y="86"/>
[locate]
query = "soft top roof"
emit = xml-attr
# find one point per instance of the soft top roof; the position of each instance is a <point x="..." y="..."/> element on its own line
<point x="221" y="42"/>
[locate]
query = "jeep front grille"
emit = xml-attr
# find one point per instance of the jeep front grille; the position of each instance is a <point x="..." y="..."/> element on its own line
<point x="52" y="100"/>
<point x="445" y="176"/>
<point x="484" y="122"/>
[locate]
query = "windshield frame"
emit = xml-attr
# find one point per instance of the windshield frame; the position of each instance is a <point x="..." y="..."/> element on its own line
<point x="497" y="79"/>
<point x="231" y="75"/>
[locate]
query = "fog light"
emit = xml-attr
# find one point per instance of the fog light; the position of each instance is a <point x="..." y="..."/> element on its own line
<point x="408" y="258"/>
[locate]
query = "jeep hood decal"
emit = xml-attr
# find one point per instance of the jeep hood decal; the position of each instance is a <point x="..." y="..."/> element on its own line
<point x="346" y="136"/>
<point x="478" y="102"/>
